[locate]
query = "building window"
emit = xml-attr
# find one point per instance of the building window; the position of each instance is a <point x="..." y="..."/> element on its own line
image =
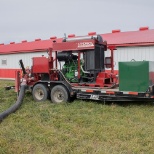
<point x="4" y="62"/>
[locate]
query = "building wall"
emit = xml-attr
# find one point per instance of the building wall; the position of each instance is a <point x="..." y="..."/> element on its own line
<point x="13" y="59"/>
<point x="12" y="62"/>
<point x="137" y="53"/>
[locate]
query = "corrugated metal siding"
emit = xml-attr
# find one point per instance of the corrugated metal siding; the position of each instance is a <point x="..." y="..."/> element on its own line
<point x="138" y="53"/>
<point x="13" y="59"/>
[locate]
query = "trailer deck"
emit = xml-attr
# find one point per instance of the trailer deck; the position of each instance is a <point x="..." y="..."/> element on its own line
<point x="110" y="94"/>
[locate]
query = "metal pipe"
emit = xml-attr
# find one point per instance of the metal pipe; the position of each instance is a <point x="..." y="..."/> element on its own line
<point x="79" y="65"/>
<point x="81" y="38"/>
<point x="112" y="65"/>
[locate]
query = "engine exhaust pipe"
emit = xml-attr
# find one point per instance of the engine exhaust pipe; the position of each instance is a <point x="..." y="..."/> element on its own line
<point x="22" y="66"/>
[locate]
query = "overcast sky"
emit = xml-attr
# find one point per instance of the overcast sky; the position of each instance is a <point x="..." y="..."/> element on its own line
<point x="31" y="19"/>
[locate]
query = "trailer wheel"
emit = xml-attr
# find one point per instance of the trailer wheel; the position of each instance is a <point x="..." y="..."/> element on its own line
<point x="40" y="93"/>
<point x="59" y="94"/>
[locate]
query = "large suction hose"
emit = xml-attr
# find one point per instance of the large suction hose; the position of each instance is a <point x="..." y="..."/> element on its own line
<point x="14" y="107"/>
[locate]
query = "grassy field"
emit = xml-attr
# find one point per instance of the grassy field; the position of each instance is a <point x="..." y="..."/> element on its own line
<point x="75" y="128"/>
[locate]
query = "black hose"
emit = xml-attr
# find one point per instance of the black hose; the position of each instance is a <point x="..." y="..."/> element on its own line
<point x="14" y="107"/>
<point x="22" y="66"/>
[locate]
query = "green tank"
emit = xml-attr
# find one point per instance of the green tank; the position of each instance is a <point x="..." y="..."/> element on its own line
<point x="136" y="75"/>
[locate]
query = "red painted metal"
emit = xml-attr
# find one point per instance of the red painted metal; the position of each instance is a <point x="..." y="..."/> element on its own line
<point x="56" y="59"/>
<point x="109" y="71"/>
<point x="41" y="65"/>
<point x="71" y="35"/>
<point x="79" y="65"/>
<point x="75" y="45"/>
<point x="110" y="92"/>
<point x="24" y="41"/>
<point x="89" y="91"/>
<point x="112" y="48"/>
<point x="106" y="79"/>
<point x="8" y="73"/>
<point x="116" y="31"/>
<point x="102" y="78"/>
<point x="12" y="42"/>
<point x="92" y="33"/>
<point x="38" y="39"/>
<point x="133" y="93"/>
<point x="143" y="28"/>
<point x="53" y="37"/>
<point x="17" y="81"/>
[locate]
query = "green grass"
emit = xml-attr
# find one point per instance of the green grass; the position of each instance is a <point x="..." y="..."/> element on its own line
<point x="75" y="128"/>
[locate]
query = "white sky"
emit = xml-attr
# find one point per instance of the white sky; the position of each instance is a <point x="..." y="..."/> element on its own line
<point x="31" y="19"/>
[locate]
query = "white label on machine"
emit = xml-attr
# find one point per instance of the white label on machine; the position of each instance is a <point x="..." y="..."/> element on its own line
<point x="76" y="73"/>
<point x="95" y="97"/>
<point x="85" y="44"/>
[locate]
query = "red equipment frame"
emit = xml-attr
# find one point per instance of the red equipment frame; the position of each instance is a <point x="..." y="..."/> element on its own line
<point x="79" y="46"/>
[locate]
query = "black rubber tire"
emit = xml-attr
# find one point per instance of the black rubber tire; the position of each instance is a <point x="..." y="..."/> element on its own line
<point x="40" y="93"/>
<point x="59" y="94"/>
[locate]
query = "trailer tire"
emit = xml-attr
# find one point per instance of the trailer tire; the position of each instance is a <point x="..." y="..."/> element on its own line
<point x="59" y="94"/>
<point x="40" y="93"/>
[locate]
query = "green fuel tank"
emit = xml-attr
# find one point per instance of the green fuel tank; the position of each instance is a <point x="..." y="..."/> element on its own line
<point x="136" y="76"/>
